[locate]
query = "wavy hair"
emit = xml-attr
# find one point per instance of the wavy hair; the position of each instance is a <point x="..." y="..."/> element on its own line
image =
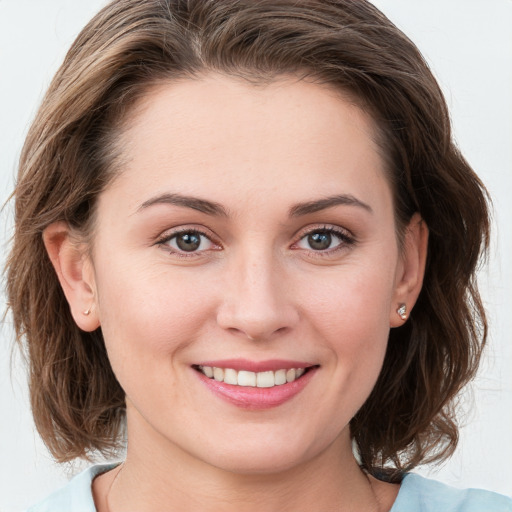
<point x="70" y="156"/>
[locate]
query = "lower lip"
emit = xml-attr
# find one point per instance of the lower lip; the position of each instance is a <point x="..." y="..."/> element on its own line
<point x="257" y="398"/>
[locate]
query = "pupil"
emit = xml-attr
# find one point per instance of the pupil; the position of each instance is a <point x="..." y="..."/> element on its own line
<point x="320" y="240"/>
<point x="188" y="241"/>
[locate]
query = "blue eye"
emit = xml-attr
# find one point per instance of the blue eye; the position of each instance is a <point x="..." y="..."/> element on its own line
<point x="320" y="241"/>
<point x="188" y="241"/>
<point x="324" y="239"/>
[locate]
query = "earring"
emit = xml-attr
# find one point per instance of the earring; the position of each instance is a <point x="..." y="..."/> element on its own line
<point x="402" y="311"/>
<point x="87" y="311"/>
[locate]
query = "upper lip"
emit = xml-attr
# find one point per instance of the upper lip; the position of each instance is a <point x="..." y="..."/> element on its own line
<point x="256" y="366"/>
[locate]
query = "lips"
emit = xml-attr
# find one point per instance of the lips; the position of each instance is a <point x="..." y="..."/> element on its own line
<point x="255" y="385"/>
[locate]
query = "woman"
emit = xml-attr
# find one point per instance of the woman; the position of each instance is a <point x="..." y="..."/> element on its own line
<point x="242" y="203"/>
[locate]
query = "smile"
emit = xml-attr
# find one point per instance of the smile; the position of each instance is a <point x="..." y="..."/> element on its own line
<point x="255" y="385"/>
<point x="245" y="378"/>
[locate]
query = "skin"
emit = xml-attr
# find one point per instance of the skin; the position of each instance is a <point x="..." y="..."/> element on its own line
<point x="255" y="289"/>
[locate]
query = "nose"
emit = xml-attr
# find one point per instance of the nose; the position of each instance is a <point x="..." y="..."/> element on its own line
<point x="256" y="301"/>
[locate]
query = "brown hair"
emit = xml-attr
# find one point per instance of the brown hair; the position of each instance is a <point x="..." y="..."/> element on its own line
<point x="69" y="156"/>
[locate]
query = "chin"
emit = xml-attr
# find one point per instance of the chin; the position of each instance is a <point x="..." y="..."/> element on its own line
<point x="272" y="456"/>
<point x="258" y="464"/>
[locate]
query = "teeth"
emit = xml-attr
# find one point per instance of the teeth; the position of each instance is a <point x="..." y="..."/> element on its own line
<point x="247" y="379"/>
<point x="230" y="376"/>
<point x="252" y="379"/>
<point x="218" y="374"/>
<point x="265" y="380"/>
<point x="280" y="377"/>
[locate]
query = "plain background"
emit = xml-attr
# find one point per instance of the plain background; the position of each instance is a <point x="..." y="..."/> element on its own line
<point x="468" y="43"/>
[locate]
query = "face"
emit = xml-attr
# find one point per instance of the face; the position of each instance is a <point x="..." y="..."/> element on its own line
<point x="250" y="235"/>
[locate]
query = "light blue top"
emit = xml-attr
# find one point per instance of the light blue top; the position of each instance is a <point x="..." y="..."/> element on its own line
<point x="417" y="494"/>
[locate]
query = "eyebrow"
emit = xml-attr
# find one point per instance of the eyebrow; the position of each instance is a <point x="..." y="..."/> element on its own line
<point x="216" y="209"/>
<point x="328" y="202"/>
<point x="195" y="203"/>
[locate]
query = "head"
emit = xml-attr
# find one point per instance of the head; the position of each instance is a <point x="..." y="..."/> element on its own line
<point x="75" y="155"/>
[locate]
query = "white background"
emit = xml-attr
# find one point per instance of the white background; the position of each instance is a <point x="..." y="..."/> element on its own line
<point x="469" y="46"/>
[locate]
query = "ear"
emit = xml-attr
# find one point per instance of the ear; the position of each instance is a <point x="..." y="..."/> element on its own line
<point x="411" y="269"/>
<point x="75" y="273"/>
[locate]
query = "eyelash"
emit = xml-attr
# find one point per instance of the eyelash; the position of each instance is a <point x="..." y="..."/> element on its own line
<point x="346" y="240"/>
<point x="165" y="239"/>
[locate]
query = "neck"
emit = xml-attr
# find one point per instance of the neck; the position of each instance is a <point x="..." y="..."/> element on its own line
<point x="158" y="475"/>
<point x="177" y="487"/>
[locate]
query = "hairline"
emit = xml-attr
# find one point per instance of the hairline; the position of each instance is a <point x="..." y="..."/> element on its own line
<point x="144" y="91"/>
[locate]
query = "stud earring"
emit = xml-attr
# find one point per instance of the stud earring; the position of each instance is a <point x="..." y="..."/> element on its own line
<point x="402" y="311"/>
<point x="87" y="311"/>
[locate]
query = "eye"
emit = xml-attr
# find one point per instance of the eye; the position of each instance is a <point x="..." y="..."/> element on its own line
<point x="324" y="240"/>
<point x="187" y="241"/>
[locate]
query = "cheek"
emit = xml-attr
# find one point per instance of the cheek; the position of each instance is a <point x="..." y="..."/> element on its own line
<point x="350" y="314"/>
<point x="354" y="297"/>
<point x="150" y="316"/>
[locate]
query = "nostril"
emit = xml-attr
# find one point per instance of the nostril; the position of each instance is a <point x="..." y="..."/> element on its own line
<point x="260" y="336"/>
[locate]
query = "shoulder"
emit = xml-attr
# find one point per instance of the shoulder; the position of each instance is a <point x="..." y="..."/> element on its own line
<point x="418" y="494"/>
<point x="76" y="496"/>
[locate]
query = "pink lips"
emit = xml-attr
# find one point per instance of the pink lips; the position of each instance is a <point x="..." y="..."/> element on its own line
<point x="256" y="366"/>
<point x="252" y="397"/>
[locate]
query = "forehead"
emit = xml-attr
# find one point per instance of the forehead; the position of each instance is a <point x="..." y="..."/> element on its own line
<point x="222" y="135"/>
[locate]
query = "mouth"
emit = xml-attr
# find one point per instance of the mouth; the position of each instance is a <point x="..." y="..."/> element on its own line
<point x="252" y="379"/>
<point x="255" y="385"/>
